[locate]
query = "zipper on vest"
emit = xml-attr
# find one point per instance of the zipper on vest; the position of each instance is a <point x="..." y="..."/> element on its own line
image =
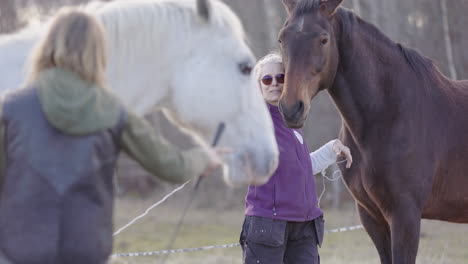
<point x="306" y="185"/>
<point x="274" y="200"/>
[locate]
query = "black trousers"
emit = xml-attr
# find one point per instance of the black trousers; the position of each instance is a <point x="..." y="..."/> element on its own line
<point x="271" y="241"/>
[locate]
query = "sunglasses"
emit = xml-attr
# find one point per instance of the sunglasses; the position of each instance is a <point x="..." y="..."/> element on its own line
<point x="268" y="79"/>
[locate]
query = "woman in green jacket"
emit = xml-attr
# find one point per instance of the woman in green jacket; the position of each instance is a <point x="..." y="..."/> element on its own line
<point x="59" y="141"/>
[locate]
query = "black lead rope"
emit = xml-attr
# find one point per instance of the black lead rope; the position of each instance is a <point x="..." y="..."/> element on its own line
<point x="219" y="131"/>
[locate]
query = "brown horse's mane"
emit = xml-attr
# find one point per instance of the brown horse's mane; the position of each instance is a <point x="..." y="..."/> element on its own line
<point x="423" y="67"/>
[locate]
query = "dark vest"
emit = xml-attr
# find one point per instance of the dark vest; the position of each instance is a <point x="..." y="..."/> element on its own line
<point x="56" y="203"/>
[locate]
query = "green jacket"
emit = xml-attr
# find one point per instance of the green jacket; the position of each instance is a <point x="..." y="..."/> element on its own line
<point x="76" y="107"/>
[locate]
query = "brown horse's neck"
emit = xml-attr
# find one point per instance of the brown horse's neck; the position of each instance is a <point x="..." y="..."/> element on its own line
<point x="376" y="80"/>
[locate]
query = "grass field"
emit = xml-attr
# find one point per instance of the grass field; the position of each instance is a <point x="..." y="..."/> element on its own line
<point x="440" y="242"/>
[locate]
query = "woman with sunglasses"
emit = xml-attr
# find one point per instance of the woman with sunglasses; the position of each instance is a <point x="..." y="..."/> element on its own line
<point x="283" y="223"/>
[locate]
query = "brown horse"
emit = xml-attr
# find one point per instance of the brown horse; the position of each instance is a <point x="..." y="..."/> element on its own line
<point x="405" y="122"/>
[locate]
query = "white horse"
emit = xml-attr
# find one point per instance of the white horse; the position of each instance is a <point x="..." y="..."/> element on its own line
<point x="188" y="56"/>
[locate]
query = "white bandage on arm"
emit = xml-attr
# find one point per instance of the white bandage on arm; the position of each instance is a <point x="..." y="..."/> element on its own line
<point x="323" y="157"/>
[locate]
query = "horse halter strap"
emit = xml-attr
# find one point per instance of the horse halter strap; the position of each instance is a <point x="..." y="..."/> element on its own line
<point x="191" y="197"/>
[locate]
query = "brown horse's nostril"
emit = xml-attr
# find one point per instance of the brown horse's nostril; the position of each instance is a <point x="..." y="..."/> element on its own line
<point x="294" y="113"/>
<point x="299" y="107"/>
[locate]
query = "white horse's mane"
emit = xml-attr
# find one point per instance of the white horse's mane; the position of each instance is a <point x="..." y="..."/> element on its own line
<point x="181" y="14"/>
<point x="173" y="18"/>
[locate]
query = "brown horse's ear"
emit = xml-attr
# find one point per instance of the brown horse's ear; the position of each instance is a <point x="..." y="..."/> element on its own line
<point x="328" y="7"/>
<point x="204" y="9"/>
<point x="289" y="5"/>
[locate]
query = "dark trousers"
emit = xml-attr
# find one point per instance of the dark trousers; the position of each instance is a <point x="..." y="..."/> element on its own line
<point x="271" y="241"/>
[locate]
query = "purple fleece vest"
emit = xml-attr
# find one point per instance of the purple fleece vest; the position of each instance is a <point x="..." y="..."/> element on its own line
<point x="290" y="193"/>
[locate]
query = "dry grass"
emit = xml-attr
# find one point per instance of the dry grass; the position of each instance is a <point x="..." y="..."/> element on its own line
<point x="440" y="242"/>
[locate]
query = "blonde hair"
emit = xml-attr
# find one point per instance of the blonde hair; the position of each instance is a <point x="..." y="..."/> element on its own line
<point x="271" y="58"/>
<point x="75" y="42"/>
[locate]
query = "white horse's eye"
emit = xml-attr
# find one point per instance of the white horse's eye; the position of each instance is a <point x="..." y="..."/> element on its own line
<point x="245" y="68"/>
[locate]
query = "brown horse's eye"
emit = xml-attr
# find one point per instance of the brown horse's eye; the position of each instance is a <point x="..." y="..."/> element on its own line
<point x="324" y="42"/>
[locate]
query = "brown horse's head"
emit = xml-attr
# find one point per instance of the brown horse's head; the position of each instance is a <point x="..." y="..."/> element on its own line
<point x="310" y="55"/>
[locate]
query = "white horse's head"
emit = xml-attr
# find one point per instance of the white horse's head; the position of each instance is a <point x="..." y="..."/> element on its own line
<point x="191" y="57"/>
<point x="214" y="84"/>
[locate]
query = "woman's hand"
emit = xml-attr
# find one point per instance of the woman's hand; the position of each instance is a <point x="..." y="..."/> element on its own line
<point x="342" y="150"/>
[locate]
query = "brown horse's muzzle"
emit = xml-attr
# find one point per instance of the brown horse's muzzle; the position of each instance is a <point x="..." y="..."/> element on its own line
<point x="293" y="115"/>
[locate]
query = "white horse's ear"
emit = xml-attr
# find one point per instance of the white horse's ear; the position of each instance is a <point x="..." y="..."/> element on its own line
<point x="204" y="9"/>
<point x="289" y="5"/>
<point x="328" y="7"/>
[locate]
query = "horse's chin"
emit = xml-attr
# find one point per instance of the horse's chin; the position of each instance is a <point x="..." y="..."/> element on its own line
<point x="234" y="181"/>
<point x="259" y="181"/>
<point x="295" y="123"/>
<point x="252" y="164"/>
<point x="244" y="175"/>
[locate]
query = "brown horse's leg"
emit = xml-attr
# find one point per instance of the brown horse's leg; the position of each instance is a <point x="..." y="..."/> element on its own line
<point x="405" y="228"/>
<point x="379" y="231"/>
